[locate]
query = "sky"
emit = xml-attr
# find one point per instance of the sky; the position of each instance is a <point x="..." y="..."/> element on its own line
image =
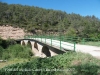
<point x="82" y="7"/>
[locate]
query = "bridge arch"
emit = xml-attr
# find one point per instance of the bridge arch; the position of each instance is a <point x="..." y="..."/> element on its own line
<point x="35" y="45"/>
<point x="29" y="44"/>
<point x="23" y="43"/>
<point x="46" y="51"/>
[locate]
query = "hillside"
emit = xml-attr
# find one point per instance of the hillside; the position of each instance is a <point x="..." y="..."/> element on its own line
<point x="47" y="20"/>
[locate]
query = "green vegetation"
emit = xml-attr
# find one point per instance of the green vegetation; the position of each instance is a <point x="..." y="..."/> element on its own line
<point x="17" y="51"/>
<point x="1" y="52"/>
<point x="34" y="18"/>
<point x="13" y="61"/>
<point x="6" y="43"/>
<point x="49" y="21"/>
<point x="13" y="52"/>
<point x="3" y="43"/>
<point x="70" y="63"/>
<point x="93" y="43"/>
<point x="20" y="62"/>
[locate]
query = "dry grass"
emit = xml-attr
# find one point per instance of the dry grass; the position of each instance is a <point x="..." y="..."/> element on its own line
<point x="12" y="61"/>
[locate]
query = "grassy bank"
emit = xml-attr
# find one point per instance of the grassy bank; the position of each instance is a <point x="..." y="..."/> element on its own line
<point x="69" y="63"/>
<point x="92" y="43"/>
<point x="13" y="53"/>
<point x="13" y="61"/>
<point x="16" y="51"/>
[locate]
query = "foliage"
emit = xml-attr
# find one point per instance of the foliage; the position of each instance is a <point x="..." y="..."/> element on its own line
<point x="70" y="63"/>
<point x="33" y="18"/>
<point x="86" y="69"/>
<point x="1" y="52"/>
<point x="6" y="43"/>
<point x="3" y="43"/>
<point x="9" y="49"/>
<point x="17" y="51"/>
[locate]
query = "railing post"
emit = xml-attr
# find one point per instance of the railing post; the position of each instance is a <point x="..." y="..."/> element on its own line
<point x="51" y="40"/>
<point x="30" y="36"/>
<point x="60" y="44"/>
<point x="41" y="38"/>
<point x="45" y="39"/>
<point x="74" y="46"/>
<point x="24" y="37"/>
<point x="60" y="41"/>
<point x="83" y="41"/>
<point x="35" y="37"/>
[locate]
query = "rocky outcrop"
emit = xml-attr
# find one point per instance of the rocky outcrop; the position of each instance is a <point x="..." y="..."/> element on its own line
<point x="7" y="31"/>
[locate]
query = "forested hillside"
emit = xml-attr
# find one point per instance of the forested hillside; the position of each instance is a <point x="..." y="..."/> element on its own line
<point x="34" y="18"/>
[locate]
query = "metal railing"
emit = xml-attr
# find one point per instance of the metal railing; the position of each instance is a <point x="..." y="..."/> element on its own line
<point x="73" y="40"/>
<point x="54" y="41"/>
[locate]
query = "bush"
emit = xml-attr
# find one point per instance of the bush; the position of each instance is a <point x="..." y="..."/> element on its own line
<point x="1" y="52"/>
<point x="11" y="42"/>
<point x="86" y="69"/>
<point x="17" y="51"/>
<point x="3" y="43"/>
<point x="43" y="66"/>
<point x="6" y="55"/>
<point x="6" y="43"/>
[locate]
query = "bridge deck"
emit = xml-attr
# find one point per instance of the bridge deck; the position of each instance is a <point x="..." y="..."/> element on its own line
<point x="93" y="50"/>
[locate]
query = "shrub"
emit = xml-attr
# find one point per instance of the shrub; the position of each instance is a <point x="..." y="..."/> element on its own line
<point x="3" y="43"/>
<point x="17" y="51"/>
<point x="43" y="66"/>
<point x="6" y="55"/>
<point x="1" y="52"/>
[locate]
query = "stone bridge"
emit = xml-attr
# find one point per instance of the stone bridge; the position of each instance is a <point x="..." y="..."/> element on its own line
<point x="49" y="47"/>
<point x="41" y="49"/>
